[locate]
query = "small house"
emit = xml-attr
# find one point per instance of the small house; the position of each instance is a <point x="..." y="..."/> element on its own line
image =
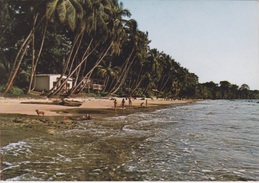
<point x="93" y="85"/>
<point x="45" y="82"/>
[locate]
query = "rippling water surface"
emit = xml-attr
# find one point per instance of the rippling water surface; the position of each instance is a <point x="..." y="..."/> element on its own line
<point x="208" y="140"/>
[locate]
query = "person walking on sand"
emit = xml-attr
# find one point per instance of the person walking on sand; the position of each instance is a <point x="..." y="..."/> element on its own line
<point x="115" y="104"/>
<point x="123" y="104"/>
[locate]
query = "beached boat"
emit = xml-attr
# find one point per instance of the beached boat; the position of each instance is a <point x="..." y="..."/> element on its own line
<point x="71" y="103"/>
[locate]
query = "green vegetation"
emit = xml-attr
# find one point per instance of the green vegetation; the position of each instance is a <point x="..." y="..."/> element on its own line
<point x="92" y="39"/>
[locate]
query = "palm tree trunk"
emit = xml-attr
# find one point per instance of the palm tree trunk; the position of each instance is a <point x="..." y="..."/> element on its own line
<point x="77" y="67"/>
<point x="164" y="84"/>
<point x="136" y="87"/>
<point x="37" y="60"/>
<point x="80" y="69"/>
<point x="106" y="83"/>
<point x="124" y="76"/>
<point x="123" y="73"/>
<point x="57" y="87"/>
<point x="82" y="87"/>
<point x="90" y="72"/>
<point x="17" y="62"/>
<point x="32" y="60"/>
<point x="139" y="77"/>
<point x="161" y="82"/>
<point x="75" y="54"/>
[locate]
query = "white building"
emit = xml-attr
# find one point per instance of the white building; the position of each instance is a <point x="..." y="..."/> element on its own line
<point x="45" y="82"/>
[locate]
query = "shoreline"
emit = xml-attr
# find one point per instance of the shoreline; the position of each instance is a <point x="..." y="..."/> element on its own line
<point x="20" y="121"/>
<point x="27" y="106"/>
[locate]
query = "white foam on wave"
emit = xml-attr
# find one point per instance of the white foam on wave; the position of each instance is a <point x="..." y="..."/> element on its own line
<point x="62" y="158"/>
<point x="16" y="148"/>
<point x="116" y="118"/>
<point x="126" y="129"/>
<point x="24" y="177"/>
<point x="10" y="167"/>
<point x="16" y="145"/>
<point x="206" y="171"/>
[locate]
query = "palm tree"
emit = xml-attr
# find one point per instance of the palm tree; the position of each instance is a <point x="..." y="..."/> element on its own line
<point x="135" y="47"/>
<point x="107" y="72"/>
<point x="154" y="67"/>
<point x="138" y="67"/>
<point x="117" y="34"/>
<point x="68" y="11"/>
<point x="168" y="72"/>
<point x="19" y="7"/>
<point x="68" y="7"/>
<point x="107" y="32"/>
<point x="71" y="13"/>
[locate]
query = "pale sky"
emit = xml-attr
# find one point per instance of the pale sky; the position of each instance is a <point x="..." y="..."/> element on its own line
<point x="215" y="39"/>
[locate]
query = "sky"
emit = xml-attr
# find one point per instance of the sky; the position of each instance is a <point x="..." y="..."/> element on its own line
<point x="218" y="40"/>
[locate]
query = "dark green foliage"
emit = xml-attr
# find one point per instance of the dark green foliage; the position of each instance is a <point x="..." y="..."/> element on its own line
<point x="225" y="90"/>
<point x="13" y="90"/>
<point x="93" y="40"/>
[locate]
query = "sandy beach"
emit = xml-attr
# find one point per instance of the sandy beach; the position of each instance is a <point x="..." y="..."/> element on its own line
<point x="17" y="106"/>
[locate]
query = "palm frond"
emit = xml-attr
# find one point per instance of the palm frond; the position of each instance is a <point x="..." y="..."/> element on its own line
<point x="71" y="15"/>
<point x="51" y="6"/>
<point x="62" y="11"/>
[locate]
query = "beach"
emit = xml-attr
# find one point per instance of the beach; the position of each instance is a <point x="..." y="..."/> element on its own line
<point x="19" y="120"/>
<point x="27" y="106"/>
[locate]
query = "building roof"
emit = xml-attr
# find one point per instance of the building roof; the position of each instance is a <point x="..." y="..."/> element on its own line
<point x="48" y="75"/>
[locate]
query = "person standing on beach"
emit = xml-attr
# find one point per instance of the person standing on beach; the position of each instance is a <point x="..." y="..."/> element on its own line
<point x="130" y="101"/>
<point x="123" y="104"/>
<point x="115" y="104"/>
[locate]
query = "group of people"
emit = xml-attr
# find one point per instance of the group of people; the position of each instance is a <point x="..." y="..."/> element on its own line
<point x="122" y="103"/>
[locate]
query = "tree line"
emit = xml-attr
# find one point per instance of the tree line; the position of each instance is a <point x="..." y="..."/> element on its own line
<point x="86" y="39"/>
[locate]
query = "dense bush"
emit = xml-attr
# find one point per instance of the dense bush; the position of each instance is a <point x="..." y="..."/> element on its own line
<point x="13" y="90"/>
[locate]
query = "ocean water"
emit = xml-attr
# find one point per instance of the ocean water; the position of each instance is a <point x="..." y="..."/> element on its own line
<point x="204" y="141"/>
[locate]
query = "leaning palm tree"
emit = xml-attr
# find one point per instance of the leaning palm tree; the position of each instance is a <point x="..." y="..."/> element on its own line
<point x="138" y="68"/>
<point x="131" y="44"/>
<point x="66" y="10"/>
<point x="102" y="34"/>
<point x="168" y="72"/>
<point x="70" y="13"/>
<point x="32" y="9"/>
<point x="108" y="36"/>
